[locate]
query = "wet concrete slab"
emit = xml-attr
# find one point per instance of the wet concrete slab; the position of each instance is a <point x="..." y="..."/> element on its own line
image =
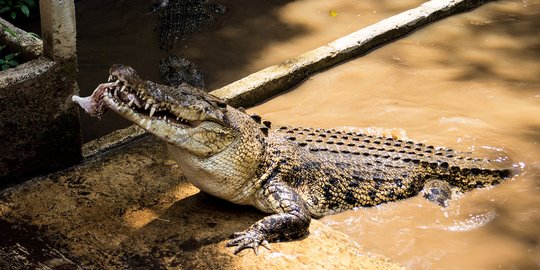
<point x="131" y="208"/>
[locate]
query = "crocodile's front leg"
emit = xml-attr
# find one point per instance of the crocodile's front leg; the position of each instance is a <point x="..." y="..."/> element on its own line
<point x="291" y="220"/>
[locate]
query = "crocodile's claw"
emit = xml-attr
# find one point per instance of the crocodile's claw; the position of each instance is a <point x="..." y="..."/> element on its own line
<point x="248" y="239"/>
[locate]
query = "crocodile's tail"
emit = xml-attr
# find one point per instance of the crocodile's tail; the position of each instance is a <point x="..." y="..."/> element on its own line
<point x="467" y="173"/>
<point x="469" y="178"/>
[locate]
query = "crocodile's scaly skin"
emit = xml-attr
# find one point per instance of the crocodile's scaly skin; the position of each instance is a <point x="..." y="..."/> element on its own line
<point x="179" y="18"/>
<point x="293" y="174"/>
<point x="175" y="70"/>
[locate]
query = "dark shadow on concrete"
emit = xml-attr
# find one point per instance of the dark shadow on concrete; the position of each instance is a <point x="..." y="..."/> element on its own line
<point x="22" y="247"/>
<point x="188" y="235"/>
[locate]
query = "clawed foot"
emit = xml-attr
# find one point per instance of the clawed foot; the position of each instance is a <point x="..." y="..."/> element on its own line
<point x="248" y="239"/>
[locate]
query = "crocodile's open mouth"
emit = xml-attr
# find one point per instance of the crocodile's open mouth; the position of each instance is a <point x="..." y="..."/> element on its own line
<point x="184" y="116"/>
<point x="137" y="106"/>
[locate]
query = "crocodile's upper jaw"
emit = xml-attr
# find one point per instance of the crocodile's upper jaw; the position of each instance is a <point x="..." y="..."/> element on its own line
<point x="188" y="119"/>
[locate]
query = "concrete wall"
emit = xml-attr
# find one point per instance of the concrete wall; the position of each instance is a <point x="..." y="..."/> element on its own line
<point x="39" y="125"/>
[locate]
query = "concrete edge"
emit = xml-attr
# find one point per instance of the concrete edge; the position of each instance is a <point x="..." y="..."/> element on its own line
<point x="25" y="71"/>
<point x="115" y="139"/>
<point x="273" y="80"/>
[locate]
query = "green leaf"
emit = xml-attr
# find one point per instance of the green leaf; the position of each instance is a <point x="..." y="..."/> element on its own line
<point x="34" y="35"/>
<point x="25" y="10"/>
<point x="5" y="67"/>
<point x="9" y="56"/>
<point x="4" y="9"/>
<point x="3" y="62"/>
<point x="13" y="15"/>
<point x="13" y="63"/>
<point x="9" y="30"/>
<point x="30" y="3"/>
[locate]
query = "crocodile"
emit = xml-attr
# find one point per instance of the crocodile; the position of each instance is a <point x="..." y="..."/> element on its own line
<point x="179" y="18"/>
<point x="294" y="174"/>
<point x="175" y="70"/>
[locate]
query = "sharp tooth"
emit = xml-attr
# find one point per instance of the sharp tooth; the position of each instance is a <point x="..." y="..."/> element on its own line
<point x="178" y="118"/>
<point x="117" y="82"/>
<point x="152" y="111"/>
<point x="164" y="117"/>
<point x="111" y="78"/>
<point x="146" y="106"/>
<point x="123" y="88"/>
<point x="131" y="102"/>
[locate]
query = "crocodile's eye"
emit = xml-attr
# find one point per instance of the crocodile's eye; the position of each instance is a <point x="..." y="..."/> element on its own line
<point x="207" y="110"/>
<point x="197" y="109"/>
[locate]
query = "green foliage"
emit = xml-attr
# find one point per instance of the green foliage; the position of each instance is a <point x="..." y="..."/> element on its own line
<point x="12" y="33"/>
<point x="8" y="30"/>
<point x="7" y="60"/>
<point x="34" y="35"/>
<point x="13" y="7"/>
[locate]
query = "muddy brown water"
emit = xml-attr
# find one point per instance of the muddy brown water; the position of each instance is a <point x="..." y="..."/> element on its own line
<point x="471" y="82"/>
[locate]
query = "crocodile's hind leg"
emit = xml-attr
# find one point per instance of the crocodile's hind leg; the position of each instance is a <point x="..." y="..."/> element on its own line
<point x="437" y="191"/>
<point x="291" y="220"/>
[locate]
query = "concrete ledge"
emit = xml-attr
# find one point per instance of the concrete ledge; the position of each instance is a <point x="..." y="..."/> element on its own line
<point x="113" y="140"/>
<point x="273" y="80"/>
